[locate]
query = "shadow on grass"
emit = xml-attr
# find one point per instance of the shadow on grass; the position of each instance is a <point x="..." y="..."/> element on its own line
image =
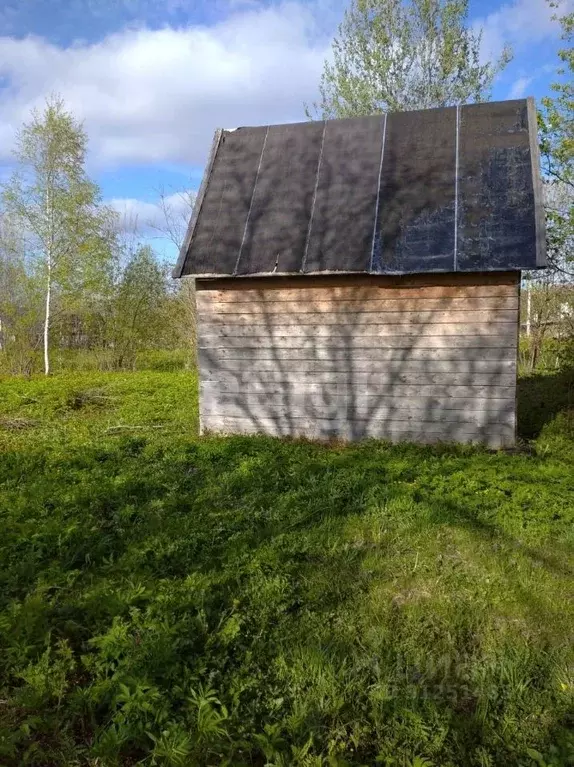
<point x="541" y="398"/>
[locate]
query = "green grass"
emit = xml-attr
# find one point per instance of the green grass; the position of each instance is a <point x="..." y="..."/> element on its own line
<point x="170" y="600"/>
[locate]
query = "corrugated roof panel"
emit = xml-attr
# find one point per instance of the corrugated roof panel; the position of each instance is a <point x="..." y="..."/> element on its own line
<point x="417" y="199"/>
<point x="496" y="221"/>
<point x="220" y="225"/>
<point x="341" y="231"/>
<point x="281" y="208"/>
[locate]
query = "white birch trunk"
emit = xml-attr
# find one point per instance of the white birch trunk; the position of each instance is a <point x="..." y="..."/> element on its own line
<point x="50" y="234"/>
<point x="47" y="321"/>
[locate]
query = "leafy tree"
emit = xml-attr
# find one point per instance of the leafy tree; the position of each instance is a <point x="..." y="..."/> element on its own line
<point x="141" y="318"/>
<point x="547" y="309"/>
<point x="391" y="56"/>
<point x="20" y="303"/>
<point x="58" y="209"/>
<point x="556" y="123"/>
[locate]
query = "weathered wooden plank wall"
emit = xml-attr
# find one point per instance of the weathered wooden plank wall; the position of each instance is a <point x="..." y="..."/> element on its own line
<point x="424" y="358"/>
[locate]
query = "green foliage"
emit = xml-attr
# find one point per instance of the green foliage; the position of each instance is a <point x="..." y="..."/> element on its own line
<point x="555" y="355"/>
<point x="556" y="124"/>
<point x="171" y="600"/>
<point x="21" y="305"/>
<point x="140" y="308"/>
<point x="391" y="56"/>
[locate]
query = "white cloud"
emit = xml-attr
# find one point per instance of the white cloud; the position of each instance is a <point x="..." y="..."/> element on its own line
<point x="519" y="87"/>
<point x="518" y="24"/>
<point x="133" y="212"/>
<point x="158" y="95"/>
<point x="148" y="217"/>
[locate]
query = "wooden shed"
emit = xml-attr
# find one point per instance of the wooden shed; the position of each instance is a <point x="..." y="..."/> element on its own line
<point x="360" y="277"/>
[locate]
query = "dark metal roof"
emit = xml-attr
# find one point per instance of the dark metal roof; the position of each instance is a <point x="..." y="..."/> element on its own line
<point x="439" y="190"/>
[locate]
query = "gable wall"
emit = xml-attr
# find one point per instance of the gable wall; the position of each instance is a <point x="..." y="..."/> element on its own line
<point x="424" y="358"/>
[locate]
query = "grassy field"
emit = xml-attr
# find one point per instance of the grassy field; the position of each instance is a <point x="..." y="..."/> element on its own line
<point x="169" y="600"/>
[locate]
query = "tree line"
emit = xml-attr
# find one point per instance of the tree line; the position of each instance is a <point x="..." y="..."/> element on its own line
<point x="72" y="278"/>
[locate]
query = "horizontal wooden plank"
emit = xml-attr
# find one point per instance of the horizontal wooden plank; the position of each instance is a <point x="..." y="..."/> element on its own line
<point x="356" y="341"/>
<point x="352" y="320"/>
<point x="306" y="282"/>
<point x="210" y="361"/>
<point x="426" y="358"/>
<point x="209" y="307"/>
<point x="507" y="330"/>
<point x="475" y="356"/>
<point x="300" y="397"/>
<point x="497" y="436"/>
<point x="347" y="377"/>
<point x="360" y="408"/>
<point x="234" y="384"/>
<point x="363" y="294"/>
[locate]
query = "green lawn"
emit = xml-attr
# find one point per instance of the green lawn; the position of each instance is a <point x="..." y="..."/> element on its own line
<point x="170" y="600"/>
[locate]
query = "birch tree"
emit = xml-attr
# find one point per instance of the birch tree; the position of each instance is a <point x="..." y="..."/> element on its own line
<point x="392" y="55"/>
<point x="57" y="207"/>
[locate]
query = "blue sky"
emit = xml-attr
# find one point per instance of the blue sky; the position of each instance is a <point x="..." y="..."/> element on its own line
<point x="152" y="80"/>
